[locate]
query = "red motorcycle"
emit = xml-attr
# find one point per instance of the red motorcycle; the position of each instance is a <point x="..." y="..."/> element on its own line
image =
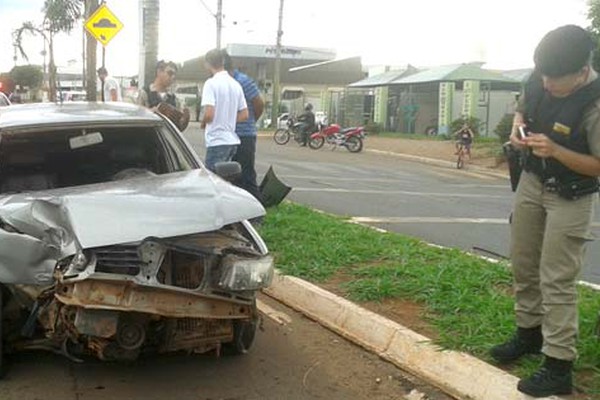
<point x="350" y="138"/>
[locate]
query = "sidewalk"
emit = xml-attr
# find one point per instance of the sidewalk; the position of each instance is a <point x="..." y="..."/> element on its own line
<point x="432" y="152"/>
<point x="439" y="153"/>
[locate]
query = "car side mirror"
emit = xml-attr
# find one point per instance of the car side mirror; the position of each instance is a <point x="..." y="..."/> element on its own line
<point x="229" y="170"/>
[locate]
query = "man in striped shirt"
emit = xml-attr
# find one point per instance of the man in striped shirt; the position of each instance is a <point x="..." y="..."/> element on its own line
<point x="246" y="130"/>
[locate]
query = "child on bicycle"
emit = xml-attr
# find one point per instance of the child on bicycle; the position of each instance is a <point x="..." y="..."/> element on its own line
<point x="464" y="137"/>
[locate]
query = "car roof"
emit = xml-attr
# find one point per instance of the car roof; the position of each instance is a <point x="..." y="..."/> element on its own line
<point x="75" y="114"/>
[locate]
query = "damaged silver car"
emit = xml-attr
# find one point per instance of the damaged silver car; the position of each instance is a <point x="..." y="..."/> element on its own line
<point x="116" y="241"/>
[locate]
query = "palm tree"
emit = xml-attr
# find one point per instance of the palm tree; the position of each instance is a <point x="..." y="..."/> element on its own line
<point x="59" y="16"/>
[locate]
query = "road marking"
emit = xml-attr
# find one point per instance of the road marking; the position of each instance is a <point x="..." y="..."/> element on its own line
<point x="428" y="220"/>
<point x="436" y="220"/>
<point x="454" y="174"/>
<point x="408" y="193"/>
<point x="333" y="178"/>
<point x="277" y="316"/>
<point x="400" y="181"/>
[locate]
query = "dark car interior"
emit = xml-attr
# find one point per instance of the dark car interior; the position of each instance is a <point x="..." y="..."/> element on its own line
<point x="34" y="161"/>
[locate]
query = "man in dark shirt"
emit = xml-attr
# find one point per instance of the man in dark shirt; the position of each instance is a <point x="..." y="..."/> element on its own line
<point x="246" y="130"/>
<point x="159" y="93"/>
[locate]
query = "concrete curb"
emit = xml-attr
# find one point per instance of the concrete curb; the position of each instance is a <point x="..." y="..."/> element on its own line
<point x="458" y="374"/>
<point x="437" y="163"/>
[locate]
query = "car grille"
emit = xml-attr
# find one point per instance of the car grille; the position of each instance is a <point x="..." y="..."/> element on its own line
<point x="178" y="269"/>
<point x="185" y="271"/>
<point x="118" y="260"/>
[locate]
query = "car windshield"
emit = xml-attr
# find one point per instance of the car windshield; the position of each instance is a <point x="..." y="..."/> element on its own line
<point x="42" y="160"/>
<point x="4" y="100"/>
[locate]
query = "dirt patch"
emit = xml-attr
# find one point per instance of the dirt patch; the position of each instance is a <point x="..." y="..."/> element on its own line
<point x="483" y="155"/>
<point x="405" y="312"/>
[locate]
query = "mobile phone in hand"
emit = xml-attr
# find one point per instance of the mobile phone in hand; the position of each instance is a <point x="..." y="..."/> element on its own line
<point x="522" y="132"/>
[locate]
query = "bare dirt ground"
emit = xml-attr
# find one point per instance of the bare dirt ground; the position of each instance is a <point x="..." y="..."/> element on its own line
<point x="483" y="155"/>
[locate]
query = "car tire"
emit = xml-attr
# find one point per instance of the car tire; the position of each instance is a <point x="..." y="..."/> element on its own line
<point x="244" y="332"/>
<point x="281" y="136"/>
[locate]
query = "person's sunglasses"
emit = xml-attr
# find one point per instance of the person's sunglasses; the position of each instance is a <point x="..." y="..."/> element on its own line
<point x="170" y="72"/>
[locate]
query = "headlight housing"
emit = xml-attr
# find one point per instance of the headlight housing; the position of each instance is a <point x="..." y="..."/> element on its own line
<point x="243" y="274"/>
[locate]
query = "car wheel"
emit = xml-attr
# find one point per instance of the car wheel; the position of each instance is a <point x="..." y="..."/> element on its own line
<point x="431" y="131"/>
<point x="282" y="136"/>
<point x="244" y="332"/>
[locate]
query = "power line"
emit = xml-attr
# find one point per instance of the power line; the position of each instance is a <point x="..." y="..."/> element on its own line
<point x="208" y="9"/>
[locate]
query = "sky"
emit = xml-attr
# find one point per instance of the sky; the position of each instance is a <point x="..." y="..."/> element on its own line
<point x="503" y="34"/>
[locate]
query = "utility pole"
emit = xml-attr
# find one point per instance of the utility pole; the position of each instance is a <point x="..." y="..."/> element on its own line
<point x="91" y="45"/>
<point x="219" y="17"/>
<point x="149" y="27"/>
<point x="277" y="77"/>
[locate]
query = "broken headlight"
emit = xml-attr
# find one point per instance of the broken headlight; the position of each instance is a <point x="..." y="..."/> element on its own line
<point x="241" y="274"/>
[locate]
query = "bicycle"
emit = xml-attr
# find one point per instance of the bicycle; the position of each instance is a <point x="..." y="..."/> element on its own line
<point x="462" y="152"/>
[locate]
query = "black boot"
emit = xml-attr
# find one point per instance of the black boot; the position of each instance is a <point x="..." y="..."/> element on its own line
<point x="525" y="341"/>
<point x="555" y="377"/>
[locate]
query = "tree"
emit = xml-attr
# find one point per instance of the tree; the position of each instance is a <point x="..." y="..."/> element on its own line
<point x="59" y="16"/>
<point x="30" y="76"/>
<point x="594" y="18"/>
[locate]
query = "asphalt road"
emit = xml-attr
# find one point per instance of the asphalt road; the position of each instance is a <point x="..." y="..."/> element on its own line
<point x="462" y="209"/>
<point x="291" y="361"/>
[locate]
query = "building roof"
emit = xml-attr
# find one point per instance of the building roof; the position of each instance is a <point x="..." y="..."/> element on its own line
<point x="384" y="78"/>
<point x="287" y="52"/>
<point x="520" y="75"/>
<point x="453" y="73"/>
<point x="258" y="62"/>
<point x="332" y="72"/>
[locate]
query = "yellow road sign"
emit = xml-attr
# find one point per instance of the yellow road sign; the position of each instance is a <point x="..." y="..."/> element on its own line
<point x="103" y="25"/>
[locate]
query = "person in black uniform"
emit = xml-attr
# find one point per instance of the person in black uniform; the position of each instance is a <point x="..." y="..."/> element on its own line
<point x="557" y="127"/>
<point x="158" y="95"/>
<point x="309" y="121"/>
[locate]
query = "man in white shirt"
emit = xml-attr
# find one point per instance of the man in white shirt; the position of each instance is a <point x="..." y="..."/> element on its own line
<point x="112" y="90"/>
<point x="224" y="105"/>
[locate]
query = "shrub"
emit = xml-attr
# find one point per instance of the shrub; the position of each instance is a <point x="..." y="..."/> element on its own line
<point x="473" y="122"/>
<point x="504" y="128"/>
<point x="373" y="128"/>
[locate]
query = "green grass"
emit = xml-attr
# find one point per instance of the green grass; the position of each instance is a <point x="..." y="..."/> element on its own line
<point x="467" y="300"/>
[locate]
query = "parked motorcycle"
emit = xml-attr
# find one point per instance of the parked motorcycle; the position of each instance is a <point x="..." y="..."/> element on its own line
<point x="350" y="138"/>
<point x="293" y="130"/>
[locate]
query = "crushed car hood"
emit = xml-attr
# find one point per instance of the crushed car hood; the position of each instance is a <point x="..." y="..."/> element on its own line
<point x="40" y="228"/>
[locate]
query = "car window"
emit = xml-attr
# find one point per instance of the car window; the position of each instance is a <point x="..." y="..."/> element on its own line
<point x="41" y="160"/>
<point x="4" y="100"/>
<point x="177" y="151"/>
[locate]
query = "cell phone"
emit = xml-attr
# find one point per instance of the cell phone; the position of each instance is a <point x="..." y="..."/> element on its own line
<point x="522" y="132"/>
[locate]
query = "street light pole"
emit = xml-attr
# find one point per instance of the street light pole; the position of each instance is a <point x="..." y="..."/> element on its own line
<point x="219" y="17"/>
<point x="277" y="75"/>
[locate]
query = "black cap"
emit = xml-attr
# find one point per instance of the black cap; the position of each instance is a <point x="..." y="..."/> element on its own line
<point x="563" y="51"/>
